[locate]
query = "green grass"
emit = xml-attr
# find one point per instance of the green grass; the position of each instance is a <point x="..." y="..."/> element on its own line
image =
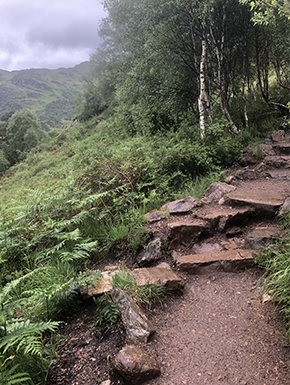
<point x="275" y="259"/>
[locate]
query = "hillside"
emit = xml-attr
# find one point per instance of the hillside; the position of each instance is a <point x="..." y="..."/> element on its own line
<point x="50" y="93"/>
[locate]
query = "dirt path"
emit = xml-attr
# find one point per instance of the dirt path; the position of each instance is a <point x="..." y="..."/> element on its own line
<point x="219" y="332"/>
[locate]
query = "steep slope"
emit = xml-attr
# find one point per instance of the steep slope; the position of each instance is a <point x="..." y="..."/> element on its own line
<point x="50" y="93"/>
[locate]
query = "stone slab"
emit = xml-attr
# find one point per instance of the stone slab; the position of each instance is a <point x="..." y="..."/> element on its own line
<point x="223" y="216"/>
<point x="182" y="233"/>
<point x="154" y="275"/>
<point x="267" y="197"/>
<point x="279" y="174"/>
<point x="102" y="286"/>
<point x="229" y="261"/>
<point x="158" y="276"/>
<point x="277" y="161"/>
<point x="181" y="206"/>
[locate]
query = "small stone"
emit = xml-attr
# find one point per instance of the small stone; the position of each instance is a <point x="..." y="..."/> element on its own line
<point x="136" y="365"/>
<point x="230" y="179"/>
<point x="217" y="189"/>
<point x="278" y="136"/>
<point x="181" y="206"/>
<point x="151" y="253"/>
<point x="266" y="298"/>
<point x="154" y="216"/>
<point x="247" y="161"/>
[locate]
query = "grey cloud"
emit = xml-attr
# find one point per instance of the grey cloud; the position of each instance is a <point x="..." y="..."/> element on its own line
<point x="77" y="34"/>
<point x="48" y="33"/>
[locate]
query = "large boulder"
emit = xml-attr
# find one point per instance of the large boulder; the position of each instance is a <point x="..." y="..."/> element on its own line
<point x="136" y="365"/>
<point x="138" y="327"/>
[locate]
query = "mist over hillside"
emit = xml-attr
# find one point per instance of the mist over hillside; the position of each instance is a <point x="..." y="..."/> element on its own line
<point x="50" y="93"/>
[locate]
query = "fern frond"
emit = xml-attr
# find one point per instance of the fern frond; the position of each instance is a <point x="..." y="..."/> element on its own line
<point x="25" y="337"/>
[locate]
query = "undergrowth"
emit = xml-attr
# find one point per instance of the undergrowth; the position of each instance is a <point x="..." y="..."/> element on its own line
<point x="79" y="197"/>
<point x="275" y="259"/>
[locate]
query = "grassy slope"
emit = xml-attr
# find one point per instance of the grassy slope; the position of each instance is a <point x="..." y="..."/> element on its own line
<point x="50" y="93"/>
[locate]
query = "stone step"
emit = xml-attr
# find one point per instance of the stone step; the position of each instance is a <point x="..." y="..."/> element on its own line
<point x="264" y="198"/>
<point x="228" y="261"/>
<point x="154" y="275"/>
<point x="183" y="232"/>
<point x="282" y="148"/>
<point x="279" y="174"/>
<point x="277" y="161"/>
<point x="222" y="217"/>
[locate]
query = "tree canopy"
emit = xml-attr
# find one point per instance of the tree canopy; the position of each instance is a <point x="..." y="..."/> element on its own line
<point x="184" y="61"/>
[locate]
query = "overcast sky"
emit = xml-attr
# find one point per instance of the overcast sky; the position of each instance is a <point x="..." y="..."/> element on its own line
<point x="48" y="33"/>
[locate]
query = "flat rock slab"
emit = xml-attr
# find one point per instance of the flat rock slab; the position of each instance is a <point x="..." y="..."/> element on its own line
<point x="223" y="216"/>
<point x="262" y="195"/>
<point x="158" y="276"/>
<point x="277" y="161"/>
<point x="279" y="174"/>
<point x="153" y="275"/>
<point x="181" y="206"/>
<point x="229" y="261"/>
<point x="154" y="216"/>
<point x="182" y="233"/>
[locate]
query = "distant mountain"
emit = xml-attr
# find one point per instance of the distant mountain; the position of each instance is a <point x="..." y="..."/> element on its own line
<point x="50" y="93"/>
